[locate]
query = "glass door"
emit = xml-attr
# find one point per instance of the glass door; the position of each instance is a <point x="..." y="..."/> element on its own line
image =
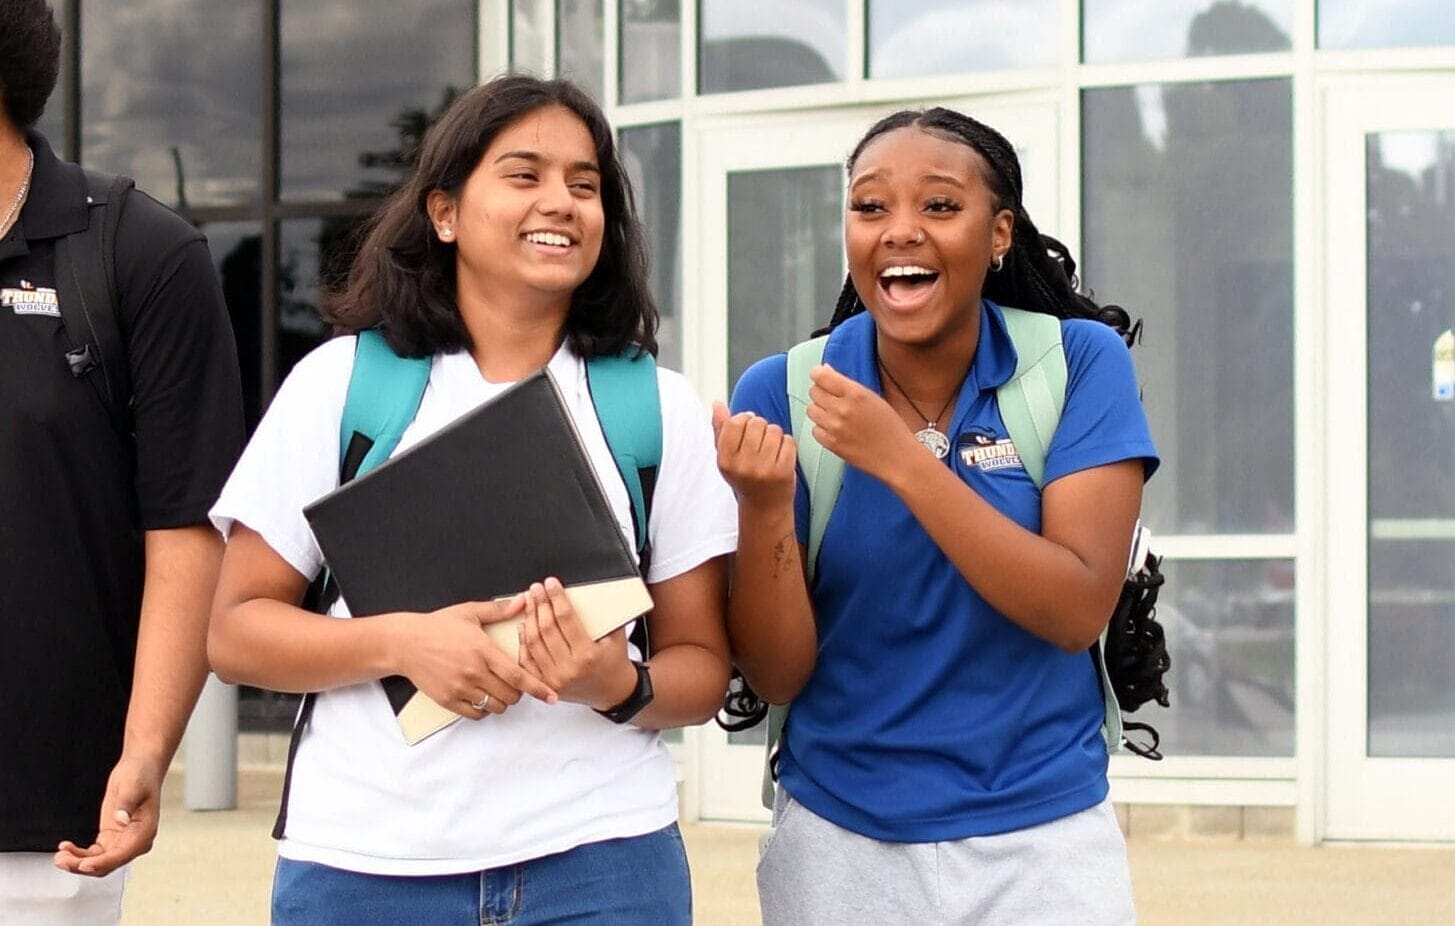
<point x="1390" y="439"/>
<point x="772" y="267"/>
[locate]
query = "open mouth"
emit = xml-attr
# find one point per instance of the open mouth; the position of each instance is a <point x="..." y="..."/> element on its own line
<point x="908" y="285"/>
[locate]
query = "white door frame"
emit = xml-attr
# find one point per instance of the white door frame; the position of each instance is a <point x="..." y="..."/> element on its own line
<point x="728" y="776"/>
<point x="1366" y="798"/>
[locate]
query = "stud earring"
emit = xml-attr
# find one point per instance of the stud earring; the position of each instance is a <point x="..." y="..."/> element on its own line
<point x="447" y="233"/>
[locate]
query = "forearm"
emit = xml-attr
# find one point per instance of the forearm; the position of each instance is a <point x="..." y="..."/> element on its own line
<point x="770" y="618"/>
<point x="1038" y="584"/>
<point x="688" y="682"/>
<point x="281" y="647"/>
<point x="171" y="651"/>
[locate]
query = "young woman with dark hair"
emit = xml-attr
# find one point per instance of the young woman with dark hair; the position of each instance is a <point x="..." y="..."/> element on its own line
<point x="943" y="760"/>
<point x="514" y="245"/>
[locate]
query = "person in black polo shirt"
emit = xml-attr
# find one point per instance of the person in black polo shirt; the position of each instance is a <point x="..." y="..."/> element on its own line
<point x="107" y="561"/>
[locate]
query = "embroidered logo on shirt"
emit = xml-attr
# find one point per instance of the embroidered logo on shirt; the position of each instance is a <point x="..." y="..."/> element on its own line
<point x="988" y="453"/>
<point x="31" y="300"/>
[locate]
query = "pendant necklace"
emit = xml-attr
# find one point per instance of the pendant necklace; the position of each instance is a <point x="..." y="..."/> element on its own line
<point x="933" y="439"/>
<point x="19" y="195"/>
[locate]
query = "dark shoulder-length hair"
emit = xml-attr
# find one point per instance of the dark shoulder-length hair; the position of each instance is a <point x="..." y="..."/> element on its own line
<point x="403" y="278"/>
<point x="1038" y="273"/>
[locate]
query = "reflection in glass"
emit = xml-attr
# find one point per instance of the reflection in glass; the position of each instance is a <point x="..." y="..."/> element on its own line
<point x="312" y="253"/>
<point x="909" y="37"/>
<point x="785" y="259"/>
<point x="1229" y="627"/>
<point x="530" y="36"/>
<point x="578" y="55"/>
<point x="651" y="50"/>
<point x="1135" y="30"/>
<point x="1385" y="23"/>
<point x="237" y="253"/>
<point x="750" y="44"/>
<point x="653" y="157"/>
<point x="170" y="96"/>
<point x="358" y="87"/>
<point x="1411" y="302"/>
<point x="1188" y="219"/>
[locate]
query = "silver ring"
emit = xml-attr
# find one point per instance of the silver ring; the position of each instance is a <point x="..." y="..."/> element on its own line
<point x="481" y="704"/>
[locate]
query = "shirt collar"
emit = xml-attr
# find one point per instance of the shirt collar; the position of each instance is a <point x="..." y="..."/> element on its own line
<point x="56" y="204"/>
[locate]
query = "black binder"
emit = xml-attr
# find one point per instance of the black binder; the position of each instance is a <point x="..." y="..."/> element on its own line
<point x="500" y="498"/>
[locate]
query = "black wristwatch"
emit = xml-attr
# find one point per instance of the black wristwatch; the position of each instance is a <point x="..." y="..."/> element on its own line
<point x="640" y="697"/>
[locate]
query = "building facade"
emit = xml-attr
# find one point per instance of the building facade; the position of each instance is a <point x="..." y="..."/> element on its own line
<point x="1268" y="184"/>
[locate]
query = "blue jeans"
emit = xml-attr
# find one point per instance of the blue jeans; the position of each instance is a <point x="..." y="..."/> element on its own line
<point x="639" y="881"/>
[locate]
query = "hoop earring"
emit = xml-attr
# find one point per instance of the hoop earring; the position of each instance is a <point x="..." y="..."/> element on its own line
<point x="998" y="263"/>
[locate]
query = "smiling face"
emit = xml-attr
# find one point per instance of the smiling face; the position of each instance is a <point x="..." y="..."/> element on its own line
<point x="922" y="231"/>
<point x="528" y="223"/>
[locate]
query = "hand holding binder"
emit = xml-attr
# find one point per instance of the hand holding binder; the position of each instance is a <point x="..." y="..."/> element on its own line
<point x="501" y="498"/>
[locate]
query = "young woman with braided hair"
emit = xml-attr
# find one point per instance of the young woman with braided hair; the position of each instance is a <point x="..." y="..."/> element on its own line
<point x="943" y="760"/>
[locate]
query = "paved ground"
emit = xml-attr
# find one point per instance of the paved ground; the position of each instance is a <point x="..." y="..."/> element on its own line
<point x="214" y="869"/>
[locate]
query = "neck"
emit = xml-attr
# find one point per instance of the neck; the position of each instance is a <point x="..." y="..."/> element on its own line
<point x="931" y="372"/>
<point x="512" y="337"/>
<point x="14" y="164"/>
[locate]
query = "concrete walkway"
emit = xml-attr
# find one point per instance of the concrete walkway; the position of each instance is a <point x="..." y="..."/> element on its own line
<point x="215" y="869"/>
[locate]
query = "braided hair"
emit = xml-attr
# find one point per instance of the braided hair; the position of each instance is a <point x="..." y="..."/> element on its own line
<point x="1038" y="274"/>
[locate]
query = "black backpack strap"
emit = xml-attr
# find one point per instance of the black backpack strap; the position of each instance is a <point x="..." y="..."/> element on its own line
<point x="319" y="597"/>
<point x="89" y="302"/>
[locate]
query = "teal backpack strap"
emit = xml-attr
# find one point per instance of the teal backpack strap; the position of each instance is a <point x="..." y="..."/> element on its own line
<point x="1031" y="401"/>
<point x="384" y="394"/>
<point x="1030" y="405"/>
<point x="823" y="473"/>
<point x="629" y="407"/>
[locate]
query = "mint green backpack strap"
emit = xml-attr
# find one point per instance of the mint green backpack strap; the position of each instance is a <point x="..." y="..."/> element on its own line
<point x="1030" y="405"/>
<point x="629" y="407"/>
<point x="384" y="394"/>
<point x="823" y="471"/>
<point x="1031" y="401"/>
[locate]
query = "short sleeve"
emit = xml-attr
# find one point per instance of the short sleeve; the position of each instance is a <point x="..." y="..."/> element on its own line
<point x="763" y="390"/>
<point x="184" y="370"/>
<point x="1103" y="421"/>
<point x="292" y="458"/>
<point x="694" y="512"/>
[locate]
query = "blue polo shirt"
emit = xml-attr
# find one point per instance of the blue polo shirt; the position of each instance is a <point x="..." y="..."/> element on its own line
<point x="930" y="716"/>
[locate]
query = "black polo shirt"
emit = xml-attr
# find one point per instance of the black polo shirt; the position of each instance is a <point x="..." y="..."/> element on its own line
<point x="76" y="497"/>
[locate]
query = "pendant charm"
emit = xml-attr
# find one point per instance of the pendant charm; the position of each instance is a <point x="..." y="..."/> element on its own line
<point x="933" y="441"/>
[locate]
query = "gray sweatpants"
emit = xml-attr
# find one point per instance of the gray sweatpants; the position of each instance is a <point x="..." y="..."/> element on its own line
<point x="1072" y="870"/>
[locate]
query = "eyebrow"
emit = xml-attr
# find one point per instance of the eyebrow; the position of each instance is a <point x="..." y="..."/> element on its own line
<point x="536" y="158"/>
<point x="935" y="178"/>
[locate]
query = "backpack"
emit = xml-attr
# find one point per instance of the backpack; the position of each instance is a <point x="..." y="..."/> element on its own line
<point x="383" y="397"/>
<point x="1132" y="656"/>
<point x="90" y="306"/>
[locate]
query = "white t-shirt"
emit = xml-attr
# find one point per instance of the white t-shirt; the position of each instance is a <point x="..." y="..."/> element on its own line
<point x="534" y="781"/>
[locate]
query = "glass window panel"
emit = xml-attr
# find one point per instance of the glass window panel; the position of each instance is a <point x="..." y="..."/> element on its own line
<point x="1135" y="30"/>
<point x="1411" y="303"/>
<point x="171" y="96"/>
<point x="653" y="157"/>
<point x="909" y="37"/>
<point x="1385" y="23"/>
<point x="1188" y="222"/>
<point x="578" y="54"/>
<point x="785" y="258"/>
<point x="651" y="50"/>
<point x="237" y="252"/>
<point x="52" y="122"/>
<point x="359" y="82"/>
<point x="751" y="44"/>
<point x="1229" y="627"/>
<point x="312" y="253"/>
<point x="530" y="36"/>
